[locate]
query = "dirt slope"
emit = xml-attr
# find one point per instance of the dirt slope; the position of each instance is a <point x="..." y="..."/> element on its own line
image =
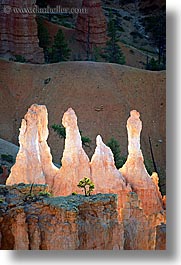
<point x="85" y="86"/>
<point x="133" y="57"/>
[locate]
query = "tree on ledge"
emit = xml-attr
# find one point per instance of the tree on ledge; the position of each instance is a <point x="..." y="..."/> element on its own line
<point x="87" y="185"/>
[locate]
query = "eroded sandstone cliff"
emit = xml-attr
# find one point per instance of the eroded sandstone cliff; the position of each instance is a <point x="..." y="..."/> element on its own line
<point x="34" y="160"/>
<point x="18" y="31"/>
<point x="75" y="162"/>
<point x="91" y="27"/>
<point x="32" y="221"/>
<point x="134" y="170"/>
<point x="139" y="207"/>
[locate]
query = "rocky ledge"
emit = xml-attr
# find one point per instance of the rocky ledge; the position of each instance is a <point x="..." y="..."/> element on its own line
<point x="30" y="219"/>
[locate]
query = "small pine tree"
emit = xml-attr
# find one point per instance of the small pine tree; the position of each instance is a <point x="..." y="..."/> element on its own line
<point x="60" y="50"/>
<point x="112" y="51"/>
<point x="115" y="148"/>
<point x="43" y="34"/>
<point x="44" y="38"/>
<point x="87" y="185"/>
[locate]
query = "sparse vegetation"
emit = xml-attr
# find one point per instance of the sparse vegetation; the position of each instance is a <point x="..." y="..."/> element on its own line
<point x="18" y="58"/>
<point x="112" y="51"/>
<point x="7" y="158"/>
<point x="45" y="193"/>
<point x="87" y="185"/>
<point x="136" y="34"/>
<point x="115" y="148"/>
<point x="61" y="131"/>
<point x="149" y="166"/>
<point x="1" y="200"/>
<point x="44" y="38"/>
<point x="43" y="34"/>
<point x="154" y="65"/>
<point x="60" y="51"/>
<point x="97" y="54"/>
<point x="155" y="24"/>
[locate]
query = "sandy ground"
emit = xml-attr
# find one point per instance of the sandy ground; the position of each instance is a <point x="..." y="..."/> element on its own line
<point x="85" y="86"/>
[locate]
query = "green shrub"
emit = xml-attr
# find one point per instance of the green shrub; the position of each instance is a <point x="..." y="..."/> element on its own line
<point x="154" y="65"/>
<point x="7" y="158"/>
<point x="61" y="131"/>
<point x="87" y="186"/>
<point x="112" y="52"/>
<point x="19" y="58"/>
<point x="60" y="51"/>
<point x="1" y="200"/>
<point x="45" y="193"/>
<point x="43" y="34"/>
<point x="115" y="148"/>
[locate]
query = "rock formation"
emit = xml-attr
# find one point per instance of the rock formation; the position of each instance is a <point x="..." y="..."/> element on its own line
<point x="34" y="161"/>
<point x="18" y="32"/>
<point x="105" y="176"/>
<point x="75" y="162"/>
<point x="140" y="230"/>
<point x="38" y="222"/>
<point x="4" y="175"/>
<point x="91" y="27"/>
<point x="134" y="170"/>
<point x="161" y="237"/>
<point x="134" y="220"/>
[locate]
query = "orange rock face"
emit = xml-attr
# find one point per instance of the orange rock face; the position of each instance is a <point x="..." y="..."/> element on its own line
<point x="92" y="25"/>
<point x="62" y="223"/>
<point x="106" y="177"/>
<point x="140" y="230"/>
<point x="134" y="170"/>
<point x="34" y="161"/>
<point x="75" y="162"/>
<point x="38" y="222"/>
<point x="140" y="206"/>
<point x="18" y="32"/>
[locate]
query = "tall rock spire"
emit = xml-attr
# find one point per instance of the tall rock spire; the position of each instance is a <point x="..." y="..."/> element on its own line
<point x="75" y="162"/>
<point x="91" y="27"/>
<point x="33" y="161"/>
<point x="18" y="31"/>
<point x="134" y="170"/>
